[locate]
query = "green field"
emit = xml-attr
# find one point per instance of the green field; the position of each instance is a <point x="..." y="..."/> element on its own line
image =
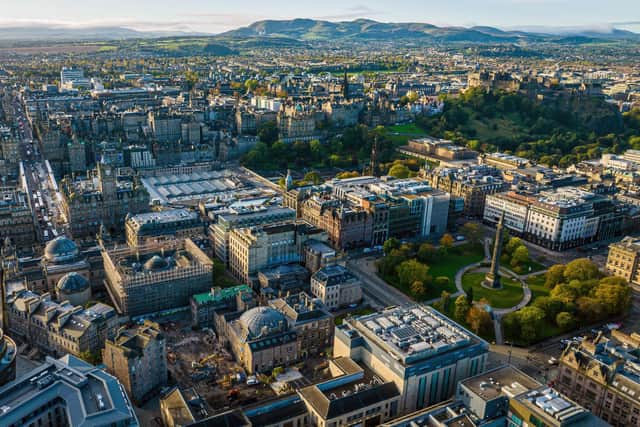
<point x="510" y="294"/>
<point x="447" y="266"/>
<point x="538" y="289"/>
<point x="409" y="128"/>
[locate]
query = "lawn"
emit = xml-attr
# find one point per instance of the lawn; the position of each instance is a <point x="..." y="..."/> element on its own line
<point x="406" y="128"/>
<point x="447" y="266"/>
<point x="538" y="289"/>
<point x="510" y="294"/>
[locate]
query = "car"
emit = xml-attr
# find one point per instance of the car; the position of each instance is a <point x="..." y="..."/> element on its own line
<point x="553" y="361"/>
<point x="460" y="238"/>
<point x="253" y="380"/>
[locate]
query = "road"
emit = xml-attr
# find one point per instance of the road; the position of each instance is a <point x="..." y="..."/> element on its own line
<point x="37" y="180"/>
<point x="374" y="287"/>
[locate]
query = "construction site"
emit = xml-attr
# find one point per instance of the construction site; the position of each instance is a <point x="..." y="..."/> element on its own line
<point x="197" y="361"/>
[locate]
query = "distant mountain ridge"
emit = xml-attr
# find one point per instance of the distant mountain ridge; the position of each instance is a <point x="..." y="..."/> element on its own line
<point x="308" y="30"/>
<point x="56" y="33"/>
<point x="367" y="29"/>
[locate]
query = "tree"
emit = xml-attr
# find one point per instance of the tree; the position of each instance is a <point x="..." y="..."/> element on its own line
<point x="581" y="269"/>
<point x="390" y="244"/>
<point x="565" y="321"/>
<point x="479" y="318"/>
<point x="531" y="323"/>
<point x="191" y="79"/>
<point x="511" y="325"/>
<point x="313" y="177"/>
<point x="268" y="132"/>
<point x="399" y="170"/>
<point x="445" y="300"/>
<point x="550" y="306"/>
<point x="442" y="281"/>
<point x="590" y="309"/>
<point x="426" y="252"/>
<point x="90" y="357"/>
<point x="462" y="307"/>
<point x="554" y="276"/>
<point x="418" y="289"/>
<point x="472" y="231"/>
<point x="446" y="241"/>
<point x="513" y="244"/>
<point x="614" y="293"/>
<point x="520" y="256"/>
<point x="347" y="174"/>
<point x="411" y="271"/>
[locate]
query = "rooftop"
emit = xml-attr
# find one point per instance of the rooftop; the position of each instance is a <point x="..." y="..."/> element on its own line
<point x="412" y="333"/>
<point x="163" y="217"/>
<point x="505" y="380"/>
<point x="89" y="395"/>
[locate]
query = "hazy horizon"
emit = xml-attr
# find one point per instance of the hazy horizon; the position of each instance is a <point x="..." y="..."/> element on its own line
<point x="217" y="16"/>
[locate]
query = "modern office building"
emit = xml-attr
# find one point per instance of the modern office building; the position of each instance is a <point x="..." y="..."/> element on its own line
<point x="66" y="392"/>
<point x="156" y="277"/>
<point x="557" y="219"/>
<point x="423" y="352"/>
<point x="336" y="286"/>
<point x="60" y="328"/>
<point x="158" y="227"/>
<point x="501" y="397"/>
<point x="138" y="358"/>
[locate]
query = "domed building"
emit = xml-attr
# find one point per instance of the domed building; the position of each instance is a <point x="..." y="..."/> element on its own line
<point x="74" y="288"/>
<point x="62" y="256"/>
<point x="261" y="339"/>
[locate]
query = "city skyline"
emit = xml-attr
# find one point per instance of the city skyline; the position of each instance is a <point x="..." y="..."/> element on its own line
<point x="216" y="17"/>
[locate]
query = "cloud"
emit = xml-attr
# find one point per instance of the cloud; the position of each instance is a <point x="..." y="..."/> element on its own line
<point x="354" y="12"/>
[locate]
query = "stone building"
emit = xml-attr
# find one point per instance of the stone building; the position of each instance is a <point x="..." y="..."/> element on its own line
<point x="101" y="199"/>
<point x="257" y="248"/>
<point x="74" y="288"/>
<point x="310" y="319"/>
<point x="262" y="339"/>
<point x="138" y="358"/>
<point x="601" y="374"/>
<point x="62" y="257"/>
<point x="153" y="278"/>
<point x="16" y="219"/>
<point x="336" y="287"/>
<point x="204" y="306"/>
<point x="8" y="352"/>
<point x="624" y="259"/>
<point x="60" y="328"/>
<point x="157" y="227"/>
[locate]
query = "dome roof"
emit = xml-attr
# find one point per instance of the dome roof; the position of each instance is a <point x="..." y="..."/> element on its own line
<point x="156" y="262"/>
<point x="71" y="283"/>
<point x="61" y="249"/>
<point x="258" y="318"/>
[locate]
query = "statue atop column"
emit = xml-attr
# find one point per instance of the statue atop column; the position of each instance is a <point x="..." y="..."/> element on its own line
<point x="492" y="279"/>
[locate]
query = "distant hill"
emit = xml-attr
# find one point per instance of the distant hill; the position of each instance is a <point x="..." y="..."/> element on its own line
<point x="38" y="32"/>
<point x="366" y="29"/>
<point x="299" y="31"/>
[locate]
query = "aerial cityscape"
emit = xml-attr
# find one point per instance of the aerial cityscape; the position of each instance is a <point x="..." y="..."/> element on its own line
<point x="399" y="214"/>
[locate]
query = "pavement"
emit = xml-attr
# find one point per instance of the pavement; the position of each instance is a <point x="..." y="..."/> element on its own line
<point x="374" y="287"/>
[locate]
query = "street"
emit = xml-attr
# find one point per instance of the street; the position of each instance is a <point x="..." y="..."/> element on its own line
<point x="37" y="180"/>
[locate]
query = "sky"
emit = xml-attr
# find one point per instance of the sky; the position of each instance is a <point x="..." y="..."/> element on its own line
<point x="220" y="15"/>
